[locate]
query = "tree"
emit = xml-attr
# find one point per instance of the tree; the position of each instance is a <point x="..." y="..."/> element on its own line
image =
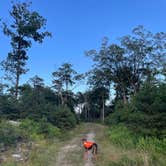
<point x="145" y="114"/>
<point x="37" y="101"/>
<point x="63" y="118"/>
<point x="37" y="82"/>
<point x="64" y="78"/>
<point x="110" y="68"/>
<point x="25" y="27"/>
<point x="145" y="52"/>
<point x="100" y="86"/>
<point x="127" y="65"/>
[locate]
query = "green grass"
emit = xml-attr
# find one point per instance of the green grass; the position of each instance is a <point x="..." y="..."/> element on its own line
<point x="146" y="151"/>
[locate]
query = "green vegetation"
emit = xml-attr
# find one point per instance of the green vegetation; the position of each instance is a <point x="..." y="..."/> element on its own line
<point x="154" y="148"/>
<point x="44" y="151"/>
<point x="145" y="113"/>
<point x="22" y="31"/>
<point x="26" y="130"/>
<point x="63" y="118"/>
<point x="39" y="130"/>
<point x="134" y="69"/>
<point x="123" y="137"/>
<point x="9" y="134"/>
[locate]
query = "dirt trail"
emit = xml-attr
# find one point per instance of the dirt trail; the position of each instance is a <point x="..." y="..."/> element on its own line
<point x="69" y="148"/>
<point x="71" y="154"/>
<point x="90" y="137"/>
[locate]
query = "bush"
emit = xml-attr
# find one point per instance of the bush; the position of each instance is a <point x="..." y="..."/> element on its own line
<point x="63" y="118"/>
<point x="152" y="144"/>
<point x="9" y="134"/>
<point x="40" y="129"/>
<point x="9" y="108"/>
<point x="144" y="114"/>
<point x="122" y="137"/>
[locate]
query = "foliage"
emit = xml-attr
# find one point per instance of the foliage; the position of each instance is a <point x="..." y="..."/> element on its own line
<point x="94" y="103"/>
<point x="121" y="136"/>
<point x="127" y="65"/>
<point x="126" y="139"/>
<point x="152" y="144"/>
<point x="63" y="118"/>
<point x="145" y="114"/>
<point x="9" y="107"/>
<point x="36" y="102"/>
<point x="39" y="129"/>
<point x="9" y="134"/>
<point x="25" y="28"/>
<point x="63" y="80"/>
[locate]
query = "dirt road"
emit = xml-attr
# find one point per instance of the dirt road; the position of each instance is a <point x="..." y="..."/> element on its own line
<point x="71" y="154"/>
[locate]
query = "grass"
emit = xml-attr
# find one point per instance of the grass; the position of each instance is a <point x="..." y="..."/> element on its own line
<point x="42" y="154"/>
<point x="135" y="150"/>
<point x="45" y="151"/>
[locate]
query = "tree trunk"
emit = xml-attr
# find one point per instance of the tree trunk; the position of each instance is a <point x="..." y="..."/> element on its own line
<point x="124" y="97"/>
<point x="18" y="73"/>
<point x="86" y="113"/>
<point x="103" y="109"/>
<point x="62" y="100"/>
<point x="17" y="85"/>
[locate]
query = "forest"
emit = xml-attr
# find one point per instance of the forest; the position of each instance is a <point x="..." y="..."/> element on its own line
<point x="126" y="94"/>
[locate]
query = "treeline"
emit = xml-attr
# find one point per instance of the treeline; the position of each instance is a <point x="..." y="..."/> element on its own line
<point x="134" y="70"/>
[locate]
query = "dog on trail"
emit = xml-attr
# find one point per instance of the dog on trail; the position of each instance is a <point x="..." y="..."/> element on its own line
<point x="89" y="146"/>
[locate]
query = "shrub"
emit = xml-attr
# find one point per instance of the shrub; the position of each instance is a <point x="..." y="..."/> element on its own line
<point x="152" y="144"/>
<point x="9" y="108"/>
<point x="63" y="118"/>
<point x="9" y="134"/>
<point x="144" y="114"/>
<point x="40" y="129"/>
<point x="124" y="137"/>
<point x="121" y="136"/>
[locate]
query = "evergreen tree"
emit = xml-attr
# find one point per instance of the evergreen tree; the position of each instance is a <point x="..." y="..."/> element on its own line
<point x="26" y="26"/>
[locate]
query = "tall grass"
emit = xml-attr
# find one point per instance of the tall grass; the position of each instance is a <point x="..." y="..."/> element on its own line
<point x="125" y="161"/>
<point x="152" y="150"/>
<point x="122" y="137"/>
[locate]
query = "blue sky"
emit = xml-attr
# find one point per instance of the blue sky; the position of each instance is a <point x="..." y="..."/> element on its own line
<point x="80" y="25"/>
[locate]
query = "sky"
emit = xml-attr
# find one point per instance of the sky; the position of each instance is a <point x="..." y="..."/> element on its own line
<point x="78" y="26"/>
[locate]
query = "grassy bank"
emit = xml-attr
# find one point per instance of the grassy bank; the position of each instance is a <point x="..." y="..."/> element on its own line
<point x="138" y="151"/>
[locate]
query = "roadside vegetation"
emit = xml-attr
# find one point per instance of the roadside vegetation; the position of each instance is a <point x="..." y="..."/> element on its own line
<point x="140" y="126"/>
